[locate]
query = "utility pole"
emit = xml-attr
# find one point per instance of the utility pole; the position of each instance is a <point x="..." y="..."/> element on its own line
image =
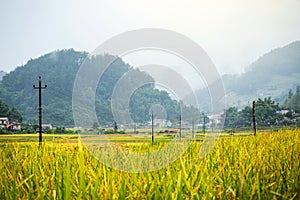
<point x="193" y="129"/>
<point x="152" y="126"/>
<point x="253" y="117"/>
<point x="40" y="107"/>
<point x="115" y="126"/>
<point x="203" y="124"/>
<point x="180" y="122"/>
<point x="134" y="129"/>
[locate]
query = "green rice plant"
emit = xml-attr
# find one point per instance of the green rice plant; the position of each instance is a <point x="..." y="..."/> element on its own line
<point x="265" y="166"/>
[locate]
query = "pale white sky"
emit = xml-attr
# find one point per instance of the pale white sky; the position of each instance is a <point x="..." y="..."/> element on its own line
<point x="234" y="33"/>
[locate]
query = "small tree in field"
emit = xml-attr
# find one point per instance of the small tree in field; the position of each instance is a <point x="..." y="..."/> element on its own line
<point x="115" y="127"/>
<point x="95" y="126"/>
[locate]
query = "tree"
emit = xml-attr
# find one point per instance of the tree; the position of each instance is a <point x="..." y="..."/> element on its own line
<point x="231" y="118"/>
<point x="204" y="118"/>
<point x="290" y="95"/>
<point x="15" y="115"/>
<point x="4" y="110"/>
<point x="294" y="102"/>
<point x="266" y="111"/>
<point x="246" y="116"/>
<point x="60" y="130"/>
<point x="95" y="126"/>
<point x="115" y="127"/>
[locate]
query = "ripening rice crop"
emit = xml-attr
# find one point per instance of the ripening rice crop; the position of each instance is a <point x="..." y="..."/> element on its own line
<point x="262" y="167"/>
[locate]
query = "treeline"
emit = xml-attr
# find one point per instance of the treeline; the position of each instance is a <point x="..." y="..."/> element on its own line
<point x="267" y="113"/>
<point x="293" y="100"/>
<point x="11" y="113"/>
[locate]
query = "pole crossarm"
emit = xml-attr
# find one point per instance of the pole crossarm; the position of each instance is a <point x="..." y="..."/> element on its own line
<point x="40" y="87"/>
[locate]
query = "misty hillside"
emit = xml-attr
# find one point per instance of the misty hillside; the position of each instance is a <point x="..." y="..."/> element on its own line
<point x="268" y="73"/>
<point x="273" y="74"/>
<point x="58" y="70"/>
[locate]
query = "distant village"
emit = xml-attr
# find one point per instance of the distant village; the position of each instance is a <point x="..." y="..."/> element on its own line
<point x="164" y="125"/>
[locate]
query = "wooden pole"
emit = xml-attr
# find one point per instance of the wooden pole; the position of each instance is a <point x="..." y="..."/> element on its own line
<point x="203" y="124"/>
<point x="180" y="126"/>
<point x="193" y="129"/>
<point x="134" y="129"/>
<point x="152" y="126"/>
<point x="40" y="108"/>
<point x="253" y="118"/>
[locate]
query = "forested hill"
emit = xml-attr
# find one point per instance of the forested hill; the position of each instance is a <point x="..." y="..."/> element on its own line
<point x="272" y="75"/>
<point x="58" y="70"/>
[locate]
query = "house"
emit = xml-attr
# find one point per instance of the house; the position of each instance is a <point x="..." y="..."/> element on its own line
<point x="10" y="126"/>
<point x="14" y="126"/>
<point x="3" y="122"/>
<point x="161" y="123"/>
<point x="215" y="119"/>
<point x="283" y="112"/>
<point x="44" y="126"/>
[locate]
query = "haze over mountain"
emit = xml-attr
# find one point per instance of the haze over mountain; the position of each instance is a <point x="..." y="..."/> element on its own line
<point x="273" y="74"/>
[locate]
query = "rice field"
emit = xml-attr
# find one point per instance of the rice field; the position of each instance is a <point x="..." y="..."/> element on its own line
<point x="266" y="166"/>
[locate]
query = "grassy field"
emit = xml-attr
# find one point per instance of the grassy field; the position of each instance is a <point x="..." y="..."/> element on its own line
<point x="262" y="167"/>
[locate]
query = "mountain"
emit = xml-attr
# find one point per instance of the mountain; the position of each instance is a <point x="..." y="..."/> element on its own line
<point x="273" y="74"/>
<point x="58" y="70"/>
<point x="2" y="73"/>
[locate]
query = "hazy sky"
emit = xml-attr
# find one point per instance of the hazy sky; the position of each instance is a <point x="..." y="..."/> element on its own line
<point x="234" y="33"/>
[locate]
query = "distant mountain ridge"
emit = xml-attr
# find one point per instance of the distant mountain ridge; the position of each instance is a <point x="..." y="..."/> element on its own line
<point x="281" y="62"/>
<point x="273" y="74"/>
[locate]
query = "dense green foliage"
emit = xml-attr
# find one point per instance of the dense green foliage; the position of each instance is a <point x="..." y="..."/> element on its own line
<point x="4" y="110"/>
<point x="155" y="97"/>
<point x="293" y="101"/>
<point x="266" y="113"/>
<point x="58" y="70"/>
<point x="13" y="114"/>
